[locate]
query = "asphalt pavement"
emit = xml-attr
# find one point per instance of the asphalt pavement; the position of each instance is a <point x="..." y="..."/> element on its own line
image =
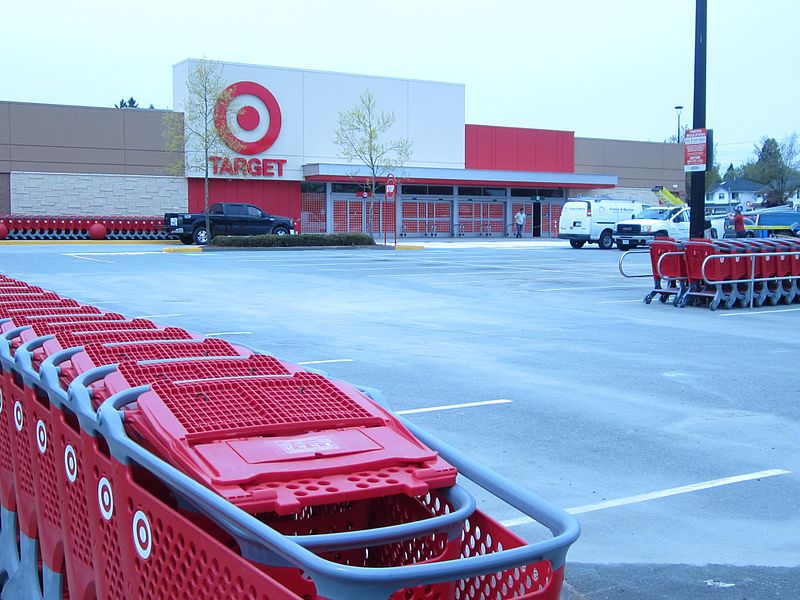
<point x="672" y="434"/>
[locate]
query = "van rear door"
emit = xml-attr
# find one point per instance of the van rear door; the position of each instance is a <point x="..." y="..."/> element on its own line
<point x="576" y="218"/>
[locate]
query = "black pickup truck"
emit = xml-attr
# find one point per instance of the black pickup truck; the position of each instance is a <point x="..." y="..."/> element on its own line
<point x="226" y="218"/>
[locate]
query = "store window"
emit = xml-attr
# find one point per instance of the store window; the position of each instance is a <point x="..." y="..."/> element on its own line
<point x="440" y="190"/>
<point x="312" y="187"/>
<point x="464" y="190"/>
<point x="347" y="188"/>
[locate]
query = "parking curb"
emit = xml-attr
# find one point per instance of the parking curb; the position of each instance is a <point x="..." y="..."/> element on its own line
<point x="183" y="249"/>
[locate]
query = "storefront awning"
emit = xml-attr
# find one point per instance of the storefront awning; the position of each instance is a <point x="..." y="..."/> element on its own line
<point x="424" y="175"/>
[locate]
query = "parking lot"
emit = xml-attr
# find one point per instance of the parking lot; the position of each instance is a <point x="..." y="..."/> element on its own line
<point x="672" y="434"/>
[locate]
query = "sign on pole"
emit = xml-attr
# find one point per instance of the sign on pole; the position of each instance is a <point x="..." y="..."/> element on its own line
<point x="391" y="187"/>
<point x="695" y="153"/>
<point x="390" y="191"/>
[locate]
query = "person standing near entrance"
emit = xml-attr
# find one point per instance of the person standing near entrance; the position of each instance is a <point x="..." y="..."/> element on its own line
<point x="519" y="219"/>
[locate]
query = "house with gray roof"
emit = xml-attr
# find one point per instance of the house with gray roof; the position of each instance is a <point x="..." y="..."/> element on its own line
<point x="736" y="192"/>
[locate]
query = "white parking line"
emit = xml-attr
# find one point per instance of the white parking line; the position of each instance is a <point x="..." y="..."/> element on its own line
<point x="758" y="312"/>
<point x="157" y="316"/>
<point x="413" y="411"/>
<point x="488" y="270"/>
<point x="88" y="258"/>
<point x="605" y="287"/>
<point x="325" y="362"/>
<point x="218" y="333"/>
<point x="619" y="301"/>
<point x="695" y="487"/>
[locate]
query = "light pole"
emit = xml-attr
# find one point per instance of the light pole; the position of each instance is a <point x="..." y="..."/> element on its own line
<point x="678" y="109"/>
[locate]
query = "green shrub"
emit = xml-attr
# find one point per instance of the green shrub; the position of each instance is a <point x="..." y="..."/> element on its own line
<point x="287" y="241"/>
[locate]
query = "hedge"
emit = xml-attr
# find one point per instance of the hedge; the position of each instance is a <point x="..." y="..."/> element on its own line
<point x="287" y="241"/>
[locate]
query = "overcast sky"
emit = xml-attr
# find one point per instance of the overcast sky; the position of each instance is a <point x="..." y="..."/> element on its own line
<point x="605" y="69"/>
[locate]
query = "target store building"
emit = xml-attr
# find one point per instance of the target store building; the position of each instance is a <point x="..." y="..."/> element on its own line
<point x="279" y="125"/>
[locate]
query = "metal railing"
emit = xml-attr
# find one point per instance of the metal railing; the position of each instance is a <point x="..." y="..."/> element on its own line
<point x="752" y="280"/>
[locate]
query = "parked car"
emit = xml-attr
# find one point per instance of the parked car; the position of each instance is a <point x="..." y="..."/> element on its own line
<point x="668" y="221"/>
<point x="593" y="220"/>
<point x="226" y="218"/>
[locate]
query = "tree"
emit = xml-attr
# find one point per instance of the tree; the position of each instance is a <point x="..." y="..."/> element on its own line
<point x="193" y="132"/>
<point x="129" y="103"/>
<point x="360" y="137"/>
<point x="776" y="165"/>
<point x="730" y="173"/>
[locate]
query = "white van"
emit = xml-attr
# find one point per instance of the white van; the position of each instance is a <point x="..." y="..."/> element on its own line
<point x="594" y="220"/>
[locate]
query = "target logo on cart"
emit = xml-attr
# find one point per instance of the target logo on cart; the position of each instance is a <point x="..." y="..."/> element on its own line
<point x="142" y="535"/>
<point x="105" y="498"/>
<point x="248" y="117"/>
<point x="70" y="463"/>
<point x="41" y="436"/>
<point x="18" y="422"/>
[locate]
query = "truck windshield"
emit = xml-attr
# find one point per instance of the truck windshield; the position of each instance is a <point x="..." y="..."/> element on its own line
<point x="654" y="213"/>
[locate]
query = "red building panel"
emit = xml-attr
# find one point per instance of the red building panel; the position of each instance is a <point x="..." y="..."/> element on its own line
<point x="275" y="197"/>
<point x="516" y="149"/>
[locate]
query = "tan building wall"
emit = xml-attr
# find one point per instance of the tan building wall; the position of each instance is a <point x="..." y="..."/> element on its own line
<point x="49" y="138"/>
<point x="76" y="139"/>
<point x="640" y="165"/>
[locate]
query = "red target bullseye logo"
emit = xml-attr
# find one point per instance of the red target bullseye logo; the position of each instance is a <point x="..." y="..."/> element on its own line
<point x="41" y="436"/>
<point x="70" y="463"/>
<point x="142" y="535"/>
<point x="18" y="416"/>
<point x="105" y="498"/>
<point x="247" y="117"/>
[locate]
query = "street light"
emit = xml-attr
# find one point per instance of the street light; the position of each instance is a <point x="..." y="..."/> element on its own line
<point x="678" y="109"/>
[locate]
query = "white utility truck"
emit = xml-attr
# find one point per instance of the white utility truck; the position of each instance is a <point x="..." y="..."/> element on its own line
<point x="669" y="221"/>
<point x="593" y="219"/>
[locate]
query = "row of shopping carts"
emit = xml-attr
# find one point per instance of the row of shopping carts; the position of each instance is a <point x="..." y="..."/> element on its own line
<point x="141" y="461"/>
<point x="728" y="273"/>
<point x="54" y="227"/>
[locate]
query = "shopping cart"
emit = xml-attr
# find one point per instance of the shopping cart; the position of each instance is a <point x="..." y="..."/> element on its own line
<point x="164" y="464"/>
<point x="668" y="264"/>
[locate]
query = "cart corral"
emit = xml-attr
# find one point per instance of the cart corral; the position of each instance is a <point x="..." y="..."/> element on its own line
<point x="144" y="461"/>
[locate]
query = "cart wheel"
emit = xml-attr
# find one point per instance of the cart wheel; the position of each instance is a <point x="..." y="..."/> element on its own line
<point x="713" y="304"/>
<point x="663" y="298"/>
<point x="730" y="302"/>
<point x="649" y="298"/>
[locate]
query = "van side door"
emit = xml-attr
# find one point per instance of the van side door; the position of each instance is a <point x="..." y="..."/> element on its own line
<point x="680" y="225"/>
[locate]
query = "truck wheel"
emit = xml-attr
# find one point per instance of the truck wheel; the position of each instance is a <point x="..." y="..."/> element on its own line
<point x="606" y="241"/>
<point x="200" y="236"/>
<point x="280" y="230"/>
<point x="576" y="243"/>
<point x="186" y="239"/>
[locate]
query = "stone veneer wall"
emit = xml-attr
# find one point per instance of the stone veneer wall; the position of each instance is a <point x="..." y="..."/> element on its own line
<point x="96" y="194"/>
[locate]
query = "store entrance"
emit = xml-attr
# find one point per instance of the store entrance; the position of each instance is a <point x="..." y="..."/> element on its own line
<point x="481" y="218"/>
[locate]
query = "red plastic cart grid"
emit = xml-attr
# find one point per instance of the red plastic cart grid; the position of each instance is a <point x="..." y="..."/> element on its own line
<point x="493" y="563"/>
<point x="34" y="466"/>
<point x="89" y="566"/>
<point x="253" y="440"/>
